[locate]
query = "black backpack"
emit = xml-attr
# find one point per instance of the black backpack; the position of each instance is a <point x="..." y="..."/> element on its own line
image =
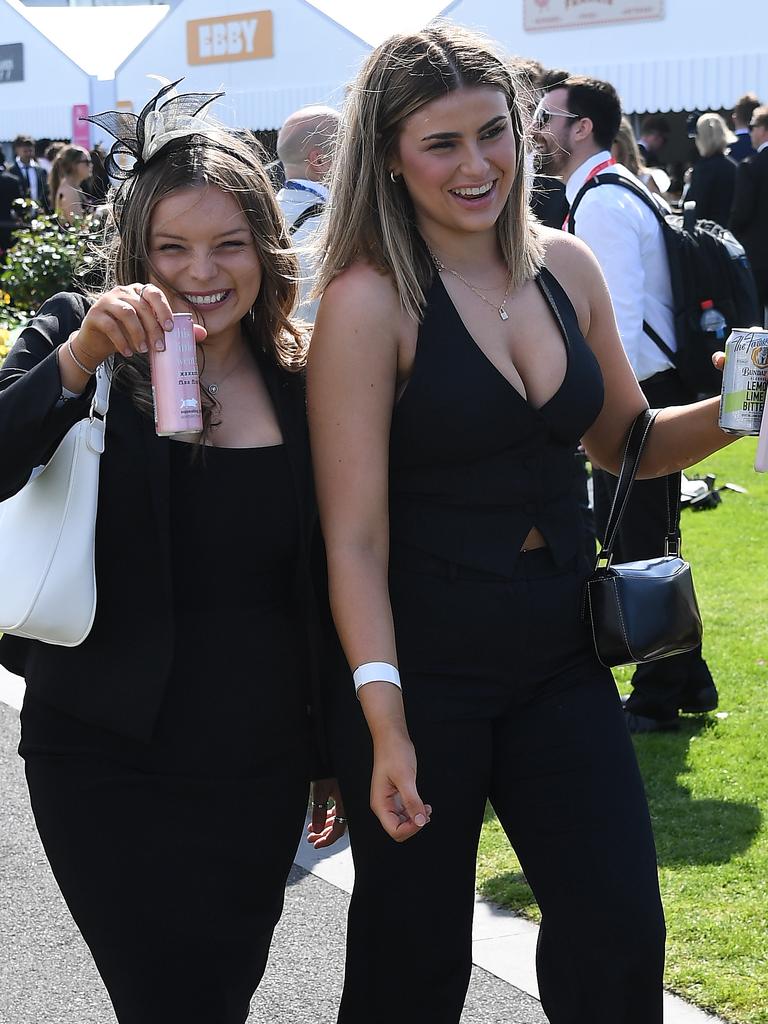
<point x="705" y="262"/>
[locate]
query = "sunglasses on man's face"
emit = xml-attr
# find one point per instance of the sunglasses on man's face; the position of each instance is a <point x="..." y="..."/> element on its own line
<point x="543" y="115"/>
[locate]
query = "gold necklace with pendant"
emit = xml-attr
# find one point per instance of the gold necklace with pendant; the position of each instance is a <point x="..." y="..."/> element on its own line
<point x="503" y="314"/>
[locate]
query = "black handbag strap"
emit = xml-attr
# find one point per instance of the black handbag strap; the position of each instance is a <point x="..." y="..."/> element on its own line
<point x="636" y="440"/>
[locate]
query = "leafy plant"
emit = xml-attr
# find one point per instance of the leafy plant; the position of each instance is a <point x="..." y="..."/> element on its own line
<point x="11" y="321"/>
<point x="45" y="257"/>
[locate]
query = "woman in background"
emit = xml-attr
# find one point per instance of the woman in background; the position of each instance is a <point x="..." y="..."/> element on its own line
<point x="626" y="151"/>
<point x="71" y="168"/>
<point x="713" y="178"/>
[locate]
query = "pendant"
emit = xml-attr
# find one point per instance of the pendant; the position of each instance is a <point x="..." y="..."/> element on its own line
<point x="503" y="314"/>
<point x="212" y="388"/>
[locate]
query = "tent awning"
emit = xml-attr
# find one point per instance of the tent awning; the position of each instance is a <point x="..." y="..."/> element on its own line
<point x="696" y="83"/>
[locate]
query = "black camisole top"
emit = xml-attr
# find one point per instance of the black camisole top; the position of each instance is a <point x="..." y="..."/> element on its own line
<point x="473" y="466"/>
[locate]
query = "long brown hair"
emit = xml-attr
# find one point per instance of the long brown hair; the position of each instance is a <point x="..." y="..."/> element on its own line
<point x="222" y="160"/>
<point x="372" y="217"/>
<point x="65" y="161"/>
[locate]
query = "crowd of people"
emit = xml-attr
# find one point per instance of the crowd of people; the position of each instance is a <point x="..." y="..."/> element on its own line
<point x="58" y="177"/>
<point x="414" y="645"/>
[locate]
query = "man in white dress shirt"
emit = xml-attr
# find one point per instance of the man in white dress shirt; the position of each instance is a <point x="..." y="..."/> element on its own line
<point x="305" y="146"/>
<point x="576" y="124"/>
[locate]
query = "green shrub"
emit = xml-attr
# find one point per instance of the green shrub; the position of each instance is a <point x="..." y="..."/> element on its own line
<point x="46" y="257"/>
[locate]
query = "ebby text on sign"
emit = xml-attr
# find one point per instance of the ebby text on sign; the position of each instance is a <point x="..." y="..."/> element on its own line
<point x="230" y="37"/>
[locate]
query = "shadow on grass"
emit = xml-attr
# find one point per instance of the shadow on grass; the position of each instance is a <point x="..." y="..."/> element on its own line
<point x="689" y="830"/>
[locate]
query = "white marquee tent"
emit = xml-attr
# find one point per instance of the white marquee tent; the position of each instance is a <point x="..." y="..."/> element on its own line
<point x="268" y="62"/>
<point x="661" y="54"/>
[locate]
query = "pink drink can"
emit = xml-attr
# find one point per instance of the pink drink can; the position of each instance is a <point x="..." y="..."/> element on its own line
<point x="175" y="381"/>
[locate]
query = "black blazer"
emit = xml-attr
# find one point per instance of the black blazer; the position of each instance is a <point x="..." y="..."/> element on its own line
<point x="712" y="184"/>
<point x="42" y="183"/>
<point x="749" y="216"/>
<point x="10" y="190"/>
<point x="742" y="147"/>
<point x="116" y="678"/>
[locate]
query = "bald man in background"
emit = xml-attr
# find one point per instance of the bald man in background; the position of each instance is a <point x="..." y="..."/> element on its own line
<point x="305" y="146"/>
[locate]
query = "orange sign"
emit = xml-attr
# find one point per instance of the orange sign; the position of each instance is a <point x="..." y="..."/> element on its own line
<point x="543" y="15"/>
<point x="230" y="37"/>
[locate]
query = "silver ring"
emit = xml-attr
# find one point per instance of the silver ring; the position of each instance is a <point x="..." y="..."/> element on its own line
<point x="324" y="804"/>
<point x="141" y="290"/>
<point x="338" y="820"/>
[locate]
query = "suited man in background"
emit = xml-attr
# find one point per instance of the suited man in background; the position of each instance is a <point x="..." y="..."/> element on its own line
<point x="10" y="191"/>
<point x="742" y="115"/>
<point x="749" y="216"/>
<point x="31" y="176"/>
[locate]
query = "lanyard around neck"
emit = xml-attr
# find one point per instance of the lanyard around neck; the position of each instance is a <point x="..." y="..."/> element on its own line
<point x="299" y="186"/>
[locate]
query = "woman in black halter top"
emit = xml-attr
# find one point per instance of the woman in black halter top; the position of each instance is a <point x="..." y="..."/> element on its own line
<point x="460" y="353"/>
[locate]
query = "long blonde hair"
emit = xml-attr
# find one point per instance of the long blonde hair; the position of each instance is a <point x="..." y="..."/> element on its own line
<point x="372" y="217"/>
<point x="626" y="150"/>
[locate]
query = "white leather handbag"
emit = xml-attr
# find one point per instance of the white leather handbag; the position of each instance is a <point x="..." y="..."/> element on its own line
<point x="47" y="535"/>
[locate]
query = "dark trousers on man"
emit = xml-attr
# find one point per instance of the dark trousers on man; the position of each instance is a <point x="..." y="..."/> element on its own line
<point x="660" y="688"/>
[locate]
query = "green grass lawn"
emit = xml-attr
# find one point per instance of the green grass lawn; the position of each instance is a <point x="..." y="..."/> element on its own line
<point x="708" y="784"/>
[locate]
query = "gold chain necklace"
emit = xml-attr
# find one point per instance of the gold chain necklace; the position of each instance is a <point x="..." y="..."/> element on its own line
<point x="503" y="314"/>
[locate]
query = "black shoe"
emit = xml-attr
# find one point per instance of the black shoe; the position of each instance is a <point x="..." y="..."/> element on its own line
<point x="698" y="702"/>
<point x="642" y="723"/>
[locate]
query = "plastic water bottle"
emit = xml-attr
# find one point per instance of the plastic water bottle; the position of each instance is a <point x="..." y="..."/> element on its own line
<point x="712" y="320"/>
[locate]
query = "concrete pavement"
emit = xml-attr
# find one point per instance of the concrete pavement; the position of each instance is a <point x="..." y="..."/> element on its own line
<point x="47" y="977"/>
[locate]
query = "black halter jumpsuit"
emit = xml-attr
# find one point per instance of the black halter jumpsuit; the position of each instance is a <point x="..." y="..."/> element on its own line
<point x="505" y="701"/>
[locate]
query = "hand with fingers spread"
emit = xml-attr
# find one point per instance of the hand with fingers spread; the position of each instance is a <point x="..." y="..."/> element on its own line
<point x="395" y="799"/>
<point x="328" y="820"/>
<point x="128" y="319"/>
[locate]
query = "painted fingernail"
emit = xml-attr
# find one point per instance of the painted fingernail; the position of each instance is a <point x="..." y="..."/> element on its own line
<point x="420" y="820"/>
<point x="168" y="325"/>
<point x="127" y="353"/>
<point x="143" y="347"/>
<point x="160" y="345"/>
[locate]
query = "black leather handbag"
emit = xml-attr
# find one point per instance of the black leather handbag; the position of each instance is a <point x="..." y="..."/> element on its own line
<point x="642" y="611"/>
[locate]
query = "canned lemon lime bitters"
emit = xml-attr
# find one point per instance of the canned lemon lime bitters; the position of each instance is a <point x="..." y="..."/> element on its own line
<point x="745" y="376"/>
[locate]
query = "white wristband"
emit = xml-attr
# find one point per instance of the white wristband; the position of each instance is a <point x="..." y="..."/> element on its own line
<point x="376" y="672"/>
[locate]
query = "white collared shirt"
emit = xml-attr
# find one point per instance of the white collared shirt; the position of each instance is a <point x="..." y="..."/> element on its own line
<point x="293" y="201"/>
<point x="627" y="240"/>
<point x="30" y="175"/>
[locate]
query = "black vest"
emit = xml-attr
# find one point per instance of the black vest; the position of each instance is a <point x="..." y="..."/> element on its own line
<point x="473" y="466"/>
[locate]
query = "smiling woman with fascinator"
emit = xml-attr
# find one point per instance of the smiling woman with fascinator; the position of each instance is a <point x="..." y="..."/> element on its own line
<point x="168" y="756"/>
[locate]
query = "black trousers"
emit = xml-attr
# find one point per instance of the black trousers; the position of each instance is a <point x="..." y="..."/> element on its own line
<point x="173" y="855"/>
<point x="505" y="702"/>
<point x="659" y="688"/>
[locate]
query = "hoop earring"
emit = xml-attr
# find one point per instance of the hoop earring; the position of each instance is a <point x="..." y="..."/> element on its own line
<point x="393" y="177"/>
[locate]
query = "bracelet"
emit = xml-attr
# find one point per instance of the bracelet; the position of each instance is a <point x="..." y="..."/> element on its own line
<point x="376" y="672"/>
<point x="75" y="360"/>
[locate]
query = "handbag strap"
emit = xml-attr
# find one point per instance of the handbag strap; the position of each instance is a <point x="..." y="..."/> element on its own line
<point x="97" y="417"/>
<point x="100" y="401"/>
<point x="633" y="451"/>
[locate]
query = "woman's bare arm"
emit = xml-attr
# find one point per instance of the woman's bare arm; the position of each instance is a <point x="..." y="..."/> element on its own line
<point x="681" y="435"/>
<point x="351" y="392"/>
